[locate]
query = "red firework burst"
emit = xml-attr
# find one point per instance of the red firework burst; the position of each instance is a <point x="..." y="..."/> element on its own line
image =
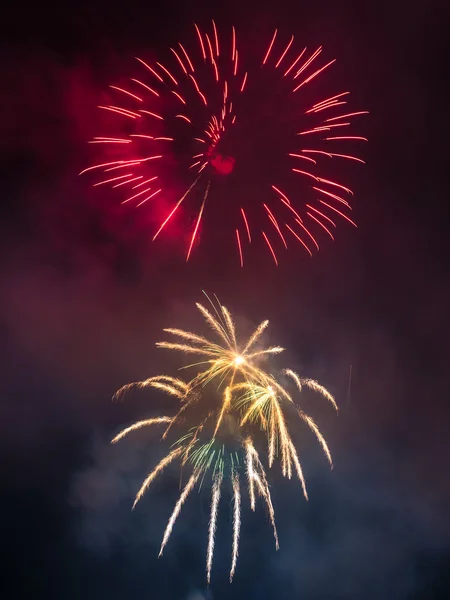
<point x="238" y="132"/>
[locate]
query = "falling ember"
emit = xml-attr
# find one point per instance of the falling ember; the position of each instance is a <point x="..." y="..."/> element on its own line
<point x="227" y="386"/>
<point x="236" y="523"/>
<point x="238" y="238"/>
<point x="176" y="511"/>
<point x="213" y="523"/>
<point x="244" y="115"/>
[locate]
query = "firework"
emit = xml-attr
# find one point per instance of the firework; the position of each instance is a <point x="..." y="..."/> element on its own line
<point x="229" y="405"/>
<point x="209" y="126"/>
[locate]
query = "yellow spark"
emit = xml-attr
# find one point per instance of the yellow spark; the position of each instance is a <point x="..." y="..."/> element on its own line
<point x="298" y="468"/>
<point x="172" y="385"/>
<point x="312" y="425"/>
<point x="159" y="467"/>
<point x="176" y="511"/>
<point x="213" y="523"/>
<point x="138" y="425"/>
<point x="250" y="474"/>
<point x="236" y="523"/>
<point x="316" y="387"/>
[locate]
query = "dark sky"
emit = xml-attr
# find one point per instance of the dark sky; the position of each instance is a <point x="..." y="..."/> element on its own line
<point x="84" y="296"/>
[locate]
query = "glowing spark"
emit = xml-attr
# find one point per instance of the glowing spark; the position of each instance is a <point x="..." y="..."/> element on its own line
<point x="353" y="114"/>
<point x="270" y="248"/>
<point x="156" y="471"/>
<point x="152" y="114"/>
<point x="196" y="227"/>
<point x="308" y="79"/>
<point x="174" y="209"/>
<point x="338" y="212"/>
<point x="148" y="197"/>
<point x="299" y="239"/>
<point x="184" y="118"/>
<point x="347" y="137"/>
<point x="127" y="181"/>
<point x="328" y="100"/>
<point x="176" y="511"/>
<point x="146" y="87"/>
<point x="275" y="224"/>
<point x="191" y="66"/>
<point x="338" y="198"/>
<point x="179" y="60"/>
<point x="233" y="42"/>
<point x="150" y="69"/>
<point x="126" y="92"/>
<point x="320" y="223"/>
<point x="306" y="173"/>
<point x="198" y="90"/>
<point x="239" y="247"/>
<point x="301" y="156"/>
<point x="246" y="225"/>
<point x="121" y="111"/>
<point x="213" y="523"/>
<point x="270" y="48"/>
<point x="244" y="81"/>
<point x="167" y="72"/>
<point x="309" y="61"/>
<point x="284" y="53"/>
<point x="295" y="62"/>
<point x="236" y="523"/>
<point x="216" y="38"/>
<point x="113" y="179"/>
<point x="201" y="41"/>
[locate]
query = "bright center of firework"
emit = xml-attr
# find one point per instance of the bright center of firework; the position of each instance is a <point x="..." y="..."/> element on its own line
<point x="224" y="165"/>
<point x="270" y="390"/>
<point x="239" y="360"/>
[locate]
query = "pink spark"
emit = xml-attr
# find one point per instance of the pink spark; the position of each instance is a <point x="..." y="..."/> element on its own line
<point x="244" y="82"/>
<point x="113" y="179"/>
<point x="120" y="111"/>
<point x="167" y="72"/>
<point x="127" y="181"/>
<point x="187" y="57"/>
<point x="145" y="199"/>
<point x="152" y="114"/>
<point x="284" y="53"/>
<point x="201" y="41"/>
<point x="150" y="69"/>
<point x="304" y="157"/>
<point x="275" y="224"/>
<point x="240" y="247"/>
<point x="269" y="49"/>
<point x="125" y="92"/>
<point x="309" y="61"/>
<point x="295" y="61"/>
<point x="299" y="239"/>
<point x="270" y="247"/>
<point x="338" y="212"/>
<point x="145" y="86"/>
<point x="246" y="225"/>
<point x="308" y="79"/>
<point x="353" y="114"/>
<point x="179" y="60"/>
<point x="321" y="224"/>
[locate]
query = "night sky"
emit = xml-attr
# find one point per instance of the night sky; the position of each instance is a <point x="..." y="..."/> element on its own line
<point x="84" y="296"/>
